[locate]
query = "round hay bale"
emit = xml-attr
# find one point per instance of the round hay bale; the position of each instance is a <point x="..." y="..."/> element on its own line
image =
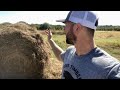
<point x="22" y="55"/>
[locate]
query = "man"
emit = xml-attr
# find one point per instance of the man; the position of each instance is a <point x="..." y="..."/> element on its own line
<point x="84" y="60"/>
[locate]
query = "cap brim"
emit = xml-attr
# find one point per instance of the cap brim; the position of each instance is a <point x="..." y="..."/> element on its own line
<point x="62" y="20"/>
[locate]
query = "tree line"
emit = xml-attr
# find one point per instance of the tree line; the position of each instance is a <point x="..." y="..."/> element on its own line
<point x="108" y="28"/>
<point x="45" y="26"/>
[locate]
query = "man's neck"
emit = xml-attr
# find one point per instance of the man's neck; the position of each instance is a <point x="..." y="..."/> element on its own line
<point x="83" y="48"/>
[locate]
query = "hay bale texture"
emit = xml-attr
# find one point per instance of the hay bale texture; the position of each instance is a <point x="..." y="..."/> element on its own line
<point x="23" y="53"/>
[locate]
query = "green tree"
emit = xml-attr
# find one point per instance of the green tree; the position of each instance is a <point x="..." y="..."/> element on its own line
<point x="44" y="26"/>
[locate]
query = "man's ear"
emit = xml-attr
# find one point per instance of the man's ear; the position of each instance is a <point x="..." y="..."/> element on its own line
<point x="77" y="27"/>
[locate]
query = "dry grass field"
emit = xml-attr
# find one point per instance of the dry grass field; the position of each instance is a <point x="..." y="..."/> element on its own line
<point x="107" y="40"/>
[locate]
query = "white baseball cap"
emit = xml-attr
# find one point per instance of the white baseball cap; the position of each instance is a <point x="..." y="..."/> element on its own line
<point x="85" y="18"/>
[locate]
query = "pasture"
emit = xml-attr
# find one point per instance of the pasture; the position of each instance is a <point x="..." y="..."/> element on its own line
<point x="107" y="40"/>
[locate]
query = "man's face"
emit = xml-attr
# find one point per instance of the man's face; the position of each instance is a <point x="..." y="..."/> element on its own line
<point x="70" y="36"/>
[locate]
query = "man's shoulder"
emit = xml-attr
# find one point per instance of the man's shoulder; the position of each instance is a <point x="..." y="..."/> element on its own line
<point x="103" y="51"/>
<point x="71" y="47"/>
<point x="103" y="58"/>
<point x="99" y="52"/>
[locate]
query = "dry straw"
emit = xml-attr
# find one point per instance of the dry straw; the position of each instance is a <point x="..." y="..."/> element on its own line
<point x="23" y="53"/>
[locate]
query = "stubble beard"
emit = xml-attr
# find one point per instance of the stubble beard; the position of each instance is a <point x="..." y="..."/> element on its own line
<point x="70" y="38"/>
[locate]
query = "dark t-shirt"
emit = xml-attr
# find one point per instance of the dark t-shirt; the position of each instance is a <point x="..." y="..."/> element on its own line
<point x="97" y="64"/>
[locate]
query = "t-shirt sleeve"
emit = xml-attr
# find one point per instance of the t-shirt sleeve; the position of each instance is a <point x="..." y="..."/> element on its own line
<point x="62" y="55"/>
<point x="114" y="72"/>
<point x="66" y="53"/>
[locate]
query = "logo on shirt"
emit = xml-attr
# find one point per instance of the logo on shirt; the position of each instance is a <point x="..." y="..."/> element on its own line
<point x="67" y="74"/>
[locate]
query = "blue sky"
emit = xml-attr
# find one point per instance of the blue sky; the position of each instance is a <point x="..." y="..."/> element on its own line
<point x="38" y="17"/>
